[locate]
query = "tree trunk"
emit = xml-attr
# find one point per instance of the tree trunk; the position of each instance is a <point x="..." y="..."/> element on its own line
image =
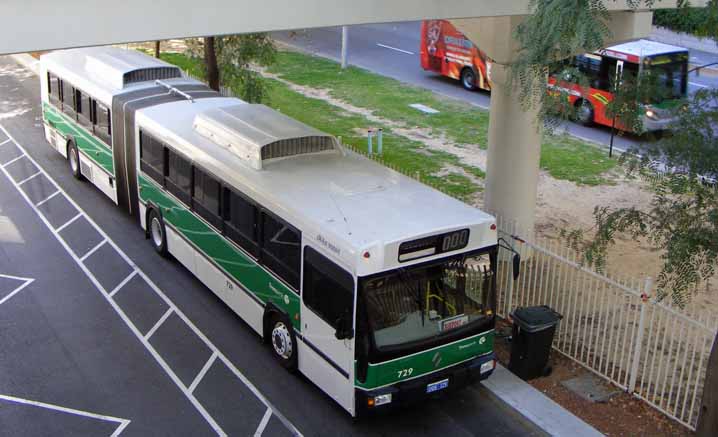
<point x="708" y="420"/>
<point x="210" y="61"/>
<point x="157" y="49"/>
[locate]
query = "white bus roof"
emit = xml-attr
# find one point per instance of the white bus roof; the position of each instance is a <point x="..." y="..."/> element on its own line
<point x="349" y="201"/>
<point x="645" y="47"/>
<point x="102" y="71"/>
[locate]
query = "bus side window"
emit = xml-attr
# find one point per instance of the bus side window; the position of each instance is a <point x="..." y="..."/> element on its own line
<point x="281" y="248"/>
<point x="152" y="157"/>
<point x="83" y="109"/>
<point x="68" y="99"/>
<point x="205" y="200"/>
<point x="53" y="89"/>
<point x="102" y="123"/>
<point x="179" y="177"/>
<point x="328" y="290"/>
<point x="240" y="221"/>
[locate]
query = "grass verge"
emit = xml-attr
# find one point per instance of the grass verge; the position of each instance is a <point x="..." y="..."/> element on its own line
<point x="562" y="156"/>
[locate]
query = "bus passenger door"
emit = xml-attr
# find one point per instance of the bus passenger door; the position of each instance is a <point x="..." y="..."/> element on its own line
<point x="326" y="354"/>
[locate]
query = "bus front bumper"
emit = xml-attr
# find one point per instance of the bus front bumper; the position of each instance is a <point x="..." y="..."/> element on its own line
<point x="407" y="392"/>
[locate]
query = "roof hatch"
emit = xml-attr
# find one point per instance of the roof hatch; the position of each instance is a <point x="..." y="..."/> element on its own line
<point x="257" y="133"/>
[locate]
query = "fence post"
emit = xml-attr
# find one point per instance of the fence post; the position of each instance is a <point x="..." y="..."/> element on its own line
<point x="648" y="285"/>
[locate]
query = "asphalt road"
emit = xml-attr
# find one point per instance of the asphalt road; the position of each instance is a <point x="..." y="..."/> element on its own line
<point x="101" y="336"/>
<point x="392" y="50"/>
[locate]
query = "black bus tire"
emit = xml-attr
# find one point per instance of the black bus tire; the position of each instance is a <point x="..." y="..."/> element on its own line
<point x="73" y="158"/>
<point x="282" y="341"/>
<point x="157" y="231"/>
<point x="584" y="112"/>
<point x="468" y="79"/>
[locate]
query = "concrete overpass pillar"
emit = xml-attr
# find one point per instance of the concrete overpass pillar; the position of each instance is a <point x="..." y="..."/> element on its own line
<point x="513" y="155"/>
<point x="514" y="136"/>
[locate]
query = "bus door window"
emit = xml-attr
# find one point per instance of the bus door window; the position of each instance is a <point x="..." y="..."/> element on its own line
<point x="328" y="291"/>
<point x="607" y="74"/>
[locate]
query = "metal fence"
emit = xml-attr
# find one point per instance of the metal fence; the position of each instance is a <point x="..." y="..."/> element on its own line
<point x="614" y="327"/>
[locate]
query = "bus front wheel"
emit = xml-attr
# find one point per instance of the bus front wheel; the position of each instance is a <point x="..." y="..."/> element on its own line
<point x="158" y="236"/>
<point x="283" y="342"/>
<point x="584" y="112"/>
<point x="468" y="79"/>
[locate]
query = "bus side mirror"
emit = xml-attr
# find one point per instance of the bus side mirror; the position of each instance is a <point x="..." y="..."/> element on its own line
<point x="344" y="328"/>
<point x="516" y="265"/>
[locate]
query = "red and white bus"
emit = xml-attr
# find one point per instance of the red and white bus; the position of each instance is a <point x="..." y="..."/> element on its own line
<point x="447" y="51"/>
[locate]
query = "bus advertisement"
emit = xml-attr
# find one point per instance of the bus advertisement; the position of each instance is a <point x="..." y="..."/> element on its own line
<point x="447" y="51"/>
<point x="353" y="274"/>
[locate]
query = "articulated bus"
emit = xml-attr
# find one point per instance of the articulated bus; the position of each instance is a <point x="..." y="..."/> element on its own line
<point x="448" y="52"/>
<point x="354" y="274"/>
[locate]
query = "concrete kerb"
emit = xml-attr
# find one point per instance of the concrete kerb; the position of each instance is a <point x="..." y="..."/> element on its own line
<point x="531" y="403"/>
<point x="535" y="406"/>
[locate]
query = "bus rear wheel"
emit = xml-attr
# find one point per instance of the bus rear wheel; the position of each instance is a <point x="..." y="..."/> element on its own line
<point x="584" y="112"/>
<point x="283" y="342"/>
<point x="158" y="236"/>
<point x="73" y="157"/>
<point x="468" y="79"/>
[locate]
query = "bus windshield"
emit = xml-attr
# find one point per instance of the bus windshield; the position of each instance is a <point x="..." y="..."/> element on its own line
<point x="429" y="301"/>
<point x="670" y="74"/>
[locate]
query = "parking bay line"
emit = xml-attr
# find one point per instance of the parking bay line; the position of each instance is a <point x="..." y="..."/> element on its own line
<point x="195" y="402"/>
<point x="123" y="422"/>
<point x="47" y="198"/>
<point x="123" y="283"/>
<point x="17" y="158"/>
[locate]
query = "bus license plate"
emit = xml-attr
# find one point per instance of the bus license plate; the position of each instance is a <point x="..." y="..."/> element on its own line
<point x="436" y="386"/>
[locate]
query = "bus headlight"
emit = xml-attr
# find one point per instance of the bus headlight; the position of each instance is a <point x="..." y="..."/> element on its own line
<point x="650" y="114"/>
<point x="487" y="366"/>
<point x="379" y="400"/>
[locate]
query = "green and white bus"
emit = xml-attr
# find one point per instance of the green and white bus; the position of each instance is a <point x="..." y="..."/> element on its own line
<point x="354" y="274"/>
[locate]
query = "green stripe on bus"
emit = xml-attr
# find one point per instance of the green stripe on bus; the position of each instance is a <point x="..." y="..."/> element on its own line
<point x="234" y="262"/>
<point x="94" y="148"/>
<point x="426" y="362"/>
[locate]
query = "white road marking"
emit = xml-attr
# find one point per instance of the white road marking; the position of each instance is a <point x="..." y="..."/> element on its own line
<point x="202" y="372"/>
<point x="26" y="282"/>
<point x="28" y="178"/>
<point x="123" y="422"/>
<point x="396" y="49"/>
<point x="123" y="283"/>
<point x="263" y="423"/>
<point x="5" y="142"/>
<point x="47" y="198"/>
<point x="68" y="223"/>
<point x="698" y="85"/>
<point x="93" y="250"/>
<point x="159" y="323"/>
<point x="168" y="370"/>
<point x="13" y="160"/>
